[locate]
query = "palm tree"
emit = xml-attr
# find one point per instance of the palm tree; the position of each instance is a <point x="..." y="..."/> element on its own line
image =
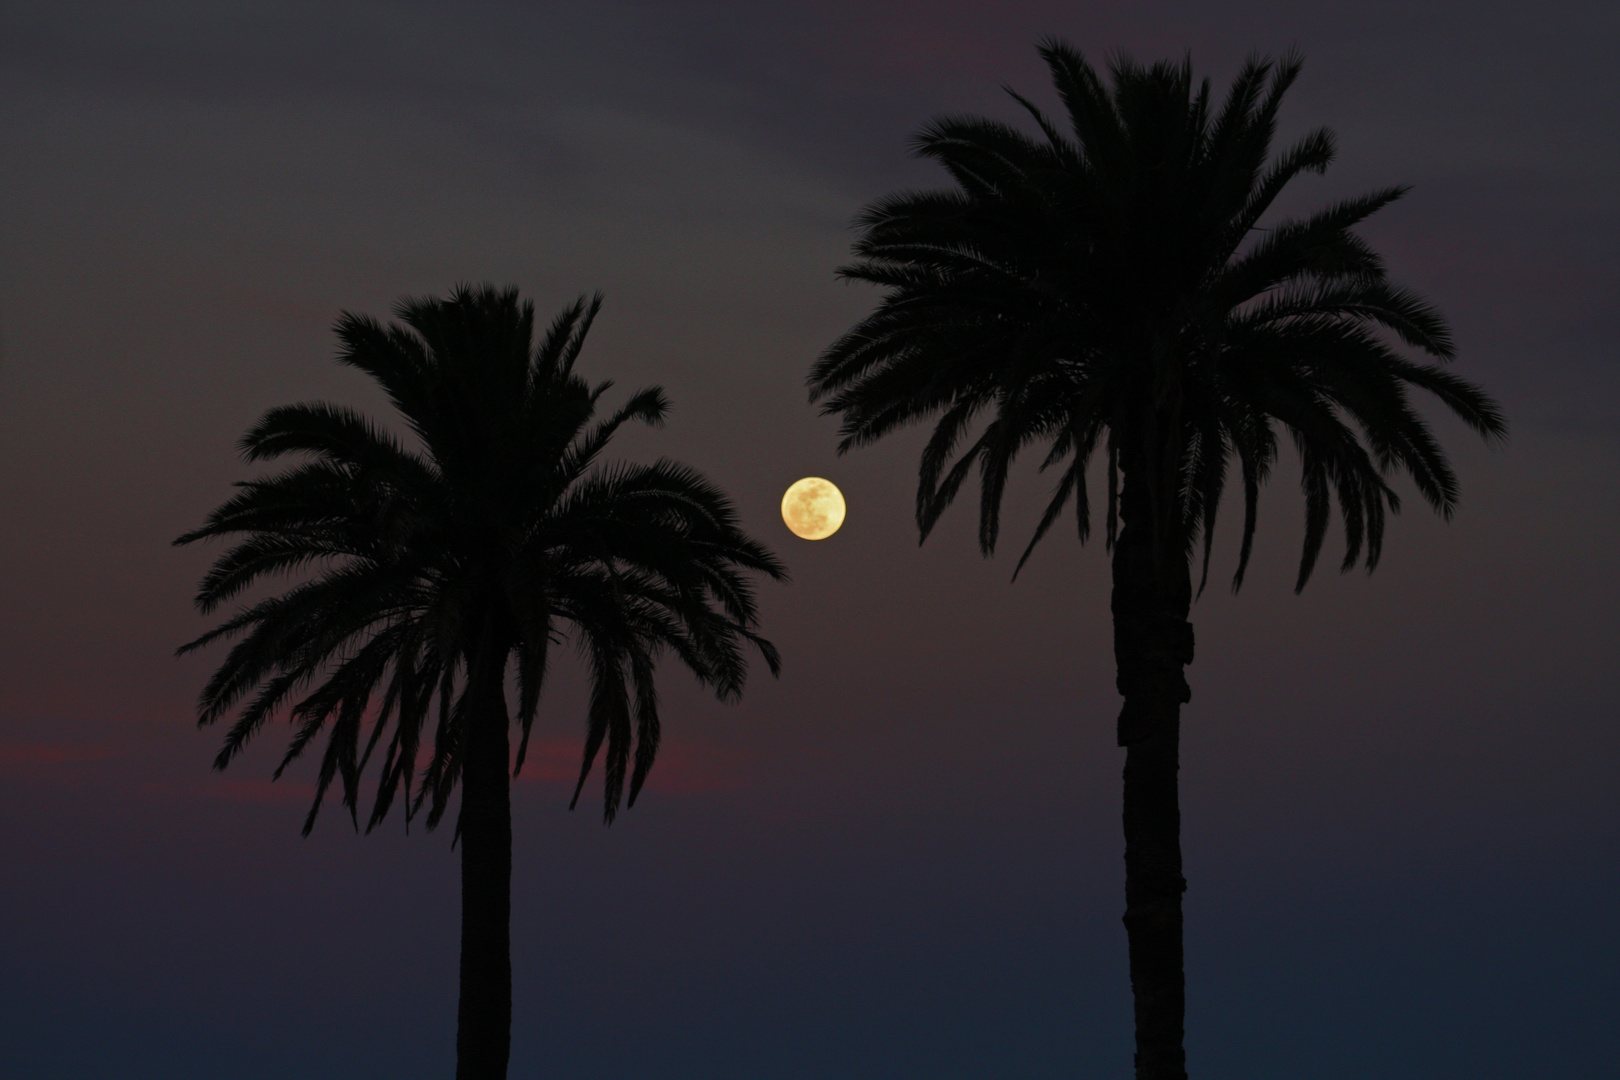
<point x="1110" y="288"/>
<point x="438" y="569"/>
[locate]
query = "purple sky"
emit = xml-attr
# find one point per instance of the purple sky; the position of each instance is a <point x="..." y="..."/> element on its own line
<point x="902" y="858"/>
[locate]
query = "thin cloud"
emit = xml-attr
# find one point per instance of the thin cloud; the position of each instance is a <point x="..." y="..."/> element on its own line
<point x="31" y="754"/>
<point x="228" y="789"/>
<point x="680" y="770"/>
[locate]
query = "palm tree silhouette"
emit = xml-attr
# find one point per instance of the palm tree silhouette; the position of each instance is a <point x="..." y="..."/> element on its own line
<point x="438" y="569"/>
<point x="1110" y="288"/>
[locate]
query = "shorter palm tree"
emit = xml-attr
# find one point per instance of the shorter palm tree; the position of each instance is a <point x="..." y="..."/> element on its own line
<point x="439" y="569"/>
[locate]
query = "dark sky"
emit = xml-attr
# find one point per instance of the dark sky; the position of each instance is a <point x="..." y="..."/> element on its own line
<point x="903" y="857"/>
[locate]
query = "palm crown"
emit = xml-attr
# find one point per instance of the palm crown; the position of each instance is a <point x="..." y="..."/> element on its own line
<point x="1111" y="287"/>
<point x="498" y="537"/>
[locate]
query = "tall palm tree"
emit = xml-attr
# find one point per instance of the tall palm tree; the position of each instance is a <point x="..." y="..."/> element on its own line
<point x="440" y="568"/>
<point x="1110" y="287"/>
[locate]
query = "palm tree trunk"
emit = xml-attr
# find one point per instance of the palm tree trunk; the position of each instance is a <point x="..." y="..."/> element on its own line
<point x="1153" y="643"/>
<point x="484" y="1023"/>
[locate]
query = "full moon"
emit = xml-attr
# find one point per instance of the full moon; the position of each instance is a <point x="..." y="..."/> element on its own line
<point x="813" y="508"/>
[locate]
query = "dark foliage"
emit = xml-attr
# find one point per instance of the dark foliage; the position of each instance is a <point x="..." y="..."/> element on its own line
<point x="500" y="531"/>
<point x="1073" y="282"/>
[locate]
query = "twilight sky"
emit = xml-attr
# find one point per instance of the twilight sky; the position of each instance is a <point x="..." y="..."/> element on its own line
<point x="903" y="857"/>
